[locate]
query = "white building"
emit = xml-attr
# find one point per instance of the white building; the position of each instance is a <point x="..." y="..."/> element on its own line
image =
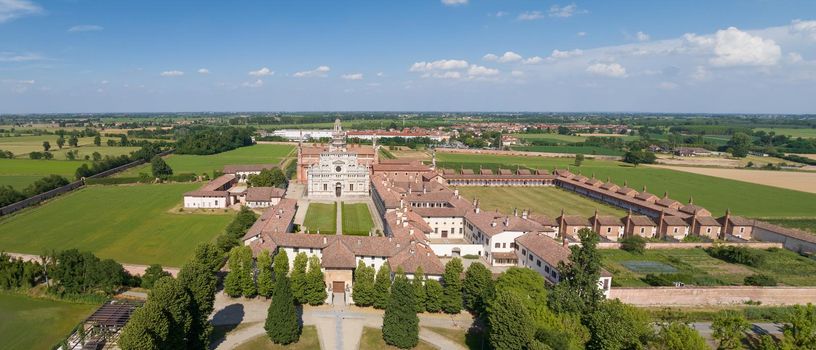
<point x="338" y="172"/>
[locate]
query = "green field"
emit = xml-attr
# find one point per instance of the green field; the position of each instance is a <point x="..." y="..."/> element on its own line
<point x="372" y="339"/>
<point x="792" y="132"/>
<point x="187" y="163"/>
<point x="787" y="267"/>
<point x="588" y="150"/>
<point x="716" y="194"/>
<point x="29" y="323"/>
<point x="308" y="341"/>
<point x="19" y="173"/>
<point x="356" y="219"/>
<point x="321" y="216"/>
<point x="131" y="224"/>
<point x="22" y="145"/>
<point x="540" y="200"/>
<point x="552" y="137"/>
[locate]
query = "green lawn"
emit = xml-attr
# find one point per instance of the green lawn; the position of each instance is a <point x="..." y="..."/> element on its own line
<point x="308" y="341"/>
<point x="588" y="150"/>
<point x="29" y="323"/>
<point x="792" y="132"/>
<point x="131" y="224"/>
<point x="470" y="340"/>
<point x="186" y="163"/>
<point x="19" y="173"/>
<point x="787" y="267"/>
<point x="356" y="219"/>
<point x="716" y="194"/>
<point x="22" y="145"/>
<point x="321" y="216"/>
<point x="372" y="340"/>
<point x="540" y="200"/>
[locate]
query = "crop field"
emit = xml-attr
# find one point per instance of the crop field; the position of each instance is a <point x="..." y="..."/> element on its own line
<point x="321" y="216"/>
<point x="187" y="163"/>
<point x="552" y="137"/>
<point x="540" y="200"/>
<point x="588" y="150"/>
<point x="792" y="132"/>
<point x="356" y="219"/>
<point x="794" y="180"/>
<point x="131" y="224"/>
<point x="19" y="173"/>
<point x="716" y="194"/>
<point x="29" y="323"/>
<point x="787" y="267"/>
<point x="22" y="145"/>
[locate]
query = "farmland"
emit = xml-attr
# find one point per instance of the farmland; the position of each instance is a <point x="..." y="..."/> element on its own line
<point x="187" y="163"/>
<point x="540" y="200"/>
<point x="22" y="145"/>
<point x="19" y="173"/>
<point x="29" y="323"/>
<point x="571" y="149"/>
<point x="792" y="132"/>
<point x="131" y="224"/>
<point x="356" y="219"/>
<point x="627" y="268"/>
<point x="716" y="194"/>
<point x="322" y="217"/>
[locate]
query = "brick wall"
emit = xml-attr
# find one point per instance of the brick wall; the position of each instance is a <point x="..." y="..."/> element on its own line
<point x="696" y="296"/>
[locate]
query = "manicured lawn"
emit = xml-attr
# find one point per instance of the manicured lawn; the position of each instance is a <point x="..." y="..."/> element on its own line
<point x="19" y="173"/>
<point x="588" y="150"/>
<point x="470" y="340"/>
<point x="321" y="216"/>
<point x="540" y="200"/>
<point x="716" y="194"/>
<point x="372" y="340"/>
<point x="308" y="341"/>
<point x="186" y="163"/>
<point x="131" y="224"/>
<point x="787" y="267"/>
<point x="356" y="219"/>
<point x="29" y="323"/>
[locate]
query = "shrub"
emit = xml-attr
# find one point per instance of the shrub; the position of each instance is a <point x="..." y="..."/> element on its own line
<point x="470" y="256"/>
<point x="760" y="280"/>
<point x="633" y="244"/>
<point x="736" y="255"/>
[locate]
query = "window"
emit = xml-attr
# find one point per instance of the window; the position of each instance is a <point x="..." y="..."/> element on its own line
<point x="351" y="187"/>
<point x="642" y="230"/>
<point x="547" y="269"/>
<point x="538" y="263"/>
<point x="296" y="250"/>
<point x="675" y="230"/>
<point x="608" y="229"/>
<point x="524" y="252"/>
<point x="504" y="245"/>
<point x="325" y="187"/>
<point x="742" y="229"/>
<point x="530" y="257"/>
<point x="708" y="230"/>
<point x="498" y="245"/>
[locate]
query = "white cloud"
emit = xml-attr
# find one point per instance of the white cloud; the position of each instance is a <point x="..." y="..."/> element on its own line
<point x="321" y="71"/>
<point x="501" y="14"/>
<point x="807" y="28"/>
<point x="641" y="36"/>
<point x="581" y="33"/>
<point x="490" y="57"/>
<point x="253" y="84"/>
<point x="353" y="76"/>
<point x="564" y="11"/>
<point x="261" y="72"/>
<point x="454" y="2"/>
<point x="380" y="74"/>
<point x="517" y="73"/>
<point x="172" y="73"/>
<point x="19" y="57"/>
<point x="794" y="57"/>
<point x="11" y="9"/>
<point x="203" y="71"/>
<point x="558" y="54"/>
<point x="443" y="75"/>
<point x="438" y="65"/>
<point x="613" y="70"/>
<point x="530" y="16"/>
<point x="700" y="73"/>
<point x="508" y="56"/>
<point x="482" y="71"/>
<point x="84" y="28"/>
<point x="533" y="60"/>
<point x="667" y="85"/>
<point x="734" y="47"/>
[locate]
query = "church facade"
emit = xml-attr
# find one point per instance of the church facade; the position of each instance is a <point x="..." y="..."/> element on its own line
<point x="336" y="170"/>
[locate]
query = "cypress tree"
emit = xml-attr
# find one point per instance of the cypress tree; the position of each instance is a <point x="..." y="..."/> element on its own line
<point x="477" y="288"/>
<point x="363" y="288"/>
<point x="400" y="322"/>
<point x="381" y="287"/>
<point x="232" y="283"/>
<point x="281" y="265"/>
<point x="200" y="282"/>
<point x="419" y="289"/>
<point x="452" y="300"/>
<point x="248" y="288"/>
<point x="147" y="329"/>
<point x="511" y="326"/>
<point x="282" y="324"/>
<point x="266" y="281"/>
<point x="315" y="283"/>
<point x="298" y="278"/>
<point x="433" y="296"/>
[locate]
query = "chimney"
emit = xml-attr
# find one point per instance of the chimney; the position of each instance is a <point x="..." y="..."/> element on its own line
<point x="565" y="243"/>
<point x="477" y="207"/>
<point x="493" y="224"/>
<point x="411" y="232"/>
<point x="325" y="240"/>
<point x="389" y="238"/>
<point x="515" y="211"/>
<point x="456" y="193"/>
<point x="507" y="221"/>
<point x="525" y="213"/>
<point x="359" y="242"/>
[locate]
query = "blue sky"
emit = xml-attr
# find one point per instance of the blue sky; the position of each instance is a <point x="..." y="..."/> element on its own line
<point x="740" y="56"/>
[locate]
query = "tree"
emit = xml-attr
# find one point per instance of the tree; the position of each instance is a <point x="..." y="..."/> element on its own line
<point x="152" y="274"/>
<point x="363" y="289"/>
<point x="46" y="146"/>
<point x="607" y="322"/>
<point x="452" y="300"/>
<point x="382" y="285"/>
<point x="678" y="336"/>
<point x="739" y="145"/>
<point x="579" y="159"/>
<point x="729" y="330"/>
<point x="248" y="288"/>
<point x="209" y="255"/>
<point x="199" y="280"/>
<point x="174" y="301"/>
<point x="159" y="168"/>
<point x="96" y="156"/>
<point x="509" y="322"/>
<point x="9" y="195"/>
<point x="315" y="291"/>
<point x="232" y="283"/>
<point x="433" y="296"/>
<point x="298" y="278"/>
<point x="60" y="141"/>
<point x="477" y="288"/>
<point x="634" y="244"/>
<point x="282" y="324"/>
<point x="800" y="330"/>
<point x="281" y="264"/>
<point x="578" y="289"/>
<point x="45" y="184"/>
<point x="418" y="283"/>
<point x="400" y="321"/>
<point x="767" y="342"/>
<point x="73" y="141"/>
<point x="639" y="157"/>
<point x="147" y="329"/>
<point x="97" y="141"/>
<point x="268" y="178"/>
<point x="266" y="283"/>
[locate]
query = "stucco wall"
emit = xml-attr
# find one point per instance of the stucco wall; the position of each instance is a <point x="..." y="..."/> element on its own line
<point x="755" y="245"/>
<point x="685" y="296"/>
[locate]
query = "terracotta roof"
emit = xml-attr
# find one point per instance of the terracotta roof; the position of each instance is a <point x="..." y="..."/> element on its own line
<point x="606" y="220"/>
<point x="610" y="186"/>
<point x="491" y="223"/>
<point x="789" y="232"/>
<point x="410" y="167"/>
<point x="668" y="203"/>
<point x="544" y="247"/>
<point x="574" y="220"/>
<point x="234" y="168"/>
<point x="580" y="178"/>
<point x="692" y="208"/>
<point x="467" y="171"/>
<point x="706" y="221"/>
<point x="485" y="172"/>
<point x="646" y="196"/>
<point x="218" y="182"/>
<point x="642" y="220"/>
<point x="275" y="219"/>
<point x="415" y="255"/>
<point x="543" y="219"/>
<point x="202" y="193"/>
<point x="523" y="172"/>
<point x="594" y="182"/>
<point x="626" y="191"/>
<point x="674" y="221"/>
<point x="263" y="194"/>
<point x="734" y="220"/>
<point x="338" y="256"/>
<point x="505" y="172"/>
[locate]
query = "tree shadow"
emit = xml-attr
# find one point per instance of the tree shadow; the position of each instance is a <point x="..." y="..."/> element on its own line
<point x="476" y="338"/>
<point x="227" y="319"/>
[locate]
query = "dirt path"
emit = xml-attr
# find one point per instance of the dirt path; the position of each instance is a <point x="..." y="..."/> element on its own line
<point x="799" y="181"/>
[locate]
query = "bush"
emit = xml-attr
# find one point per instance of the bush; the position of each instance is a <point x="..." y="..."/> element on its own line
<point x="657" y="280"/>
<point x="760" y="280"/>
<point x="112" y="180"/>
<point x="736" y="255"/>
<point x="186" y="177"/>
<point x="470" y="256"/>
<point x="633" y="244"/>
